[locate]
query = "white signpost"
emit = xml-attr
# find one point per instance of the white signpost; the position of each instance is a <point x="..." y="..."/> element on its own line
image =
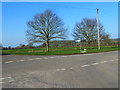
<point x="81" y="47"/>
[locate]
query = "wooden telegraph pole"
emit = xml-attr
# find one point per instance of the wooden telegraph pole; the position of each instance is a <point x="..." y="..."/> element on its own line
<point x="98" y="28"/>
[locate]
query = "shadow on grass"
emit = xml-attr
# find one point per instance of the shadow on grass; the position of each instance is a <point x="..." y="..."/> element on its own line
<point x="4" y="54"/>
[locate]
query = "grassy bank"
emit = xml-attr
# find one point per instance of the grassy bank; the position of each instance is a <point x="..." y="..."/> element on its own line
<point x="58" y="51"/>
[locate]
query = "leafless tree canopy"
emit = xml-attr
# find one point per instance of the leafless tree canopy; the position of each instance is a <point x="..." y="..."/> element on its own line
<point x="87" y="30"/>
<point x="45" y="27"/>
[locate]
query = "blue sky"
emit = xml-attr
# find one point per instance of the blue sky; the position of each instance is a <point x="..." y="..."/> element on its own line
<point x="16" y="14"/>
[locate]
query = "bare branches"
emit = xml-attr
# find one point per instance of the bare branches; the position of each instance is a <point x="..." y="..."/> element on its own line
<point x="45" y="27"/>
<point x="87" y="30"/>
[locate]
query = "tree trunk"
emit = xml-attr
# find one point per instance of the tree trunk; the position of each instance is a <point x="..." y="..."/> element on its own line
<point x="89" y="43"/>
<point x="47" y="46"/>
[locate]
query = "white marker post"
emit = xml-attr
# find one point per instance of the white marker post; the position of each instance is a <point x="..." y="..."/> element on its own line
<point x="80" y="44"/>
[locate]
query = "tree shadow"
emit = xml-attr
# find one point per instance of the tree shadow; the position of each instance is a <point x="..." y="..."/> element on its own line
<point x="4" y="54"/>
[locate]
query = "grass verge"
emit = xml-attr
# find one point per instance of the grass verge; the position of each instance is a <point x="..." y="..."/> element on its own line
<point x="57" y="51"/>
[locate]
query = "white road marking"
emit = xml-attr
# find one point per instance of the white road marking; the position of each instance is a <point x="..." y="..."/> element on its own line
<point x="38" y="58"/>
<point x="11" y="80"/>
<point x="51" y="57"/>
<point x="45" y="58"/>
<point x="111" y="60"/>
<point x="1" y="82"/>
<point x="87" y="54"/>
<point x="9" y="62"/>
<point x="61" y="69"/>
<point x="57" y="69"/>
<point x="64" y="56"/>
<point x="85" y="65"/>
<point x="75" y="55"/>
<point x="17" y="61"/>
<point x="94" y="63"/>
<point x="71" y="68"/>
<point x="71" y="55"/>
<point x="21" y="60"/>
<point x="103" y="61"/>
<point x="57" y="56"/>
<point x="30" y="59"/>
<point x="2" y="78"/>
<point x="9" y="77"/>
<point x="6" y="78"/>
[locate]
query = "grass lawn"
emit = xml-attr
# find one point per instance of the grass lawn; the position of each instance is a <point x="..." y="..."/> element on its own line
<point x="58" y="51"/>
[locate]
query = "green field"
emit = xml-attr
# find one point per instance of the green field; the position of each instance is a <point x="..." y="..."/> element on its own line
<point x="58" y="51"/>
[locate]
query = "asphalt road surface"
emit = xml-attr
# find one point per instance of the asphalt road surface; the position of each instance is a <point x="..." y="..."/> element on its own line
<point x="97" y="70"/>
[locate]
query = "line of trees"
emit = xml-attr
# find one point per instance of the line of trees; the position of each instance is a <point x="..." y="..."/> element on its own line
<point x="48" y="26"/>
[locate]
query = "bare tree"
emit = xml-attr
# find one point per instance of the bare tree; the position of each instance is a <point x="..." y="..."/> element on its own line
<point x="45" y="27"/>
<point x="87" y="30"/>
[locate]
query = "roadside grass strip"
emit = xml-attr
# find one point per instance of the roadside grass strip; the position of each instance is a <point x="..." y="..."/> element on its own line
<point x="60" y="50"/>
